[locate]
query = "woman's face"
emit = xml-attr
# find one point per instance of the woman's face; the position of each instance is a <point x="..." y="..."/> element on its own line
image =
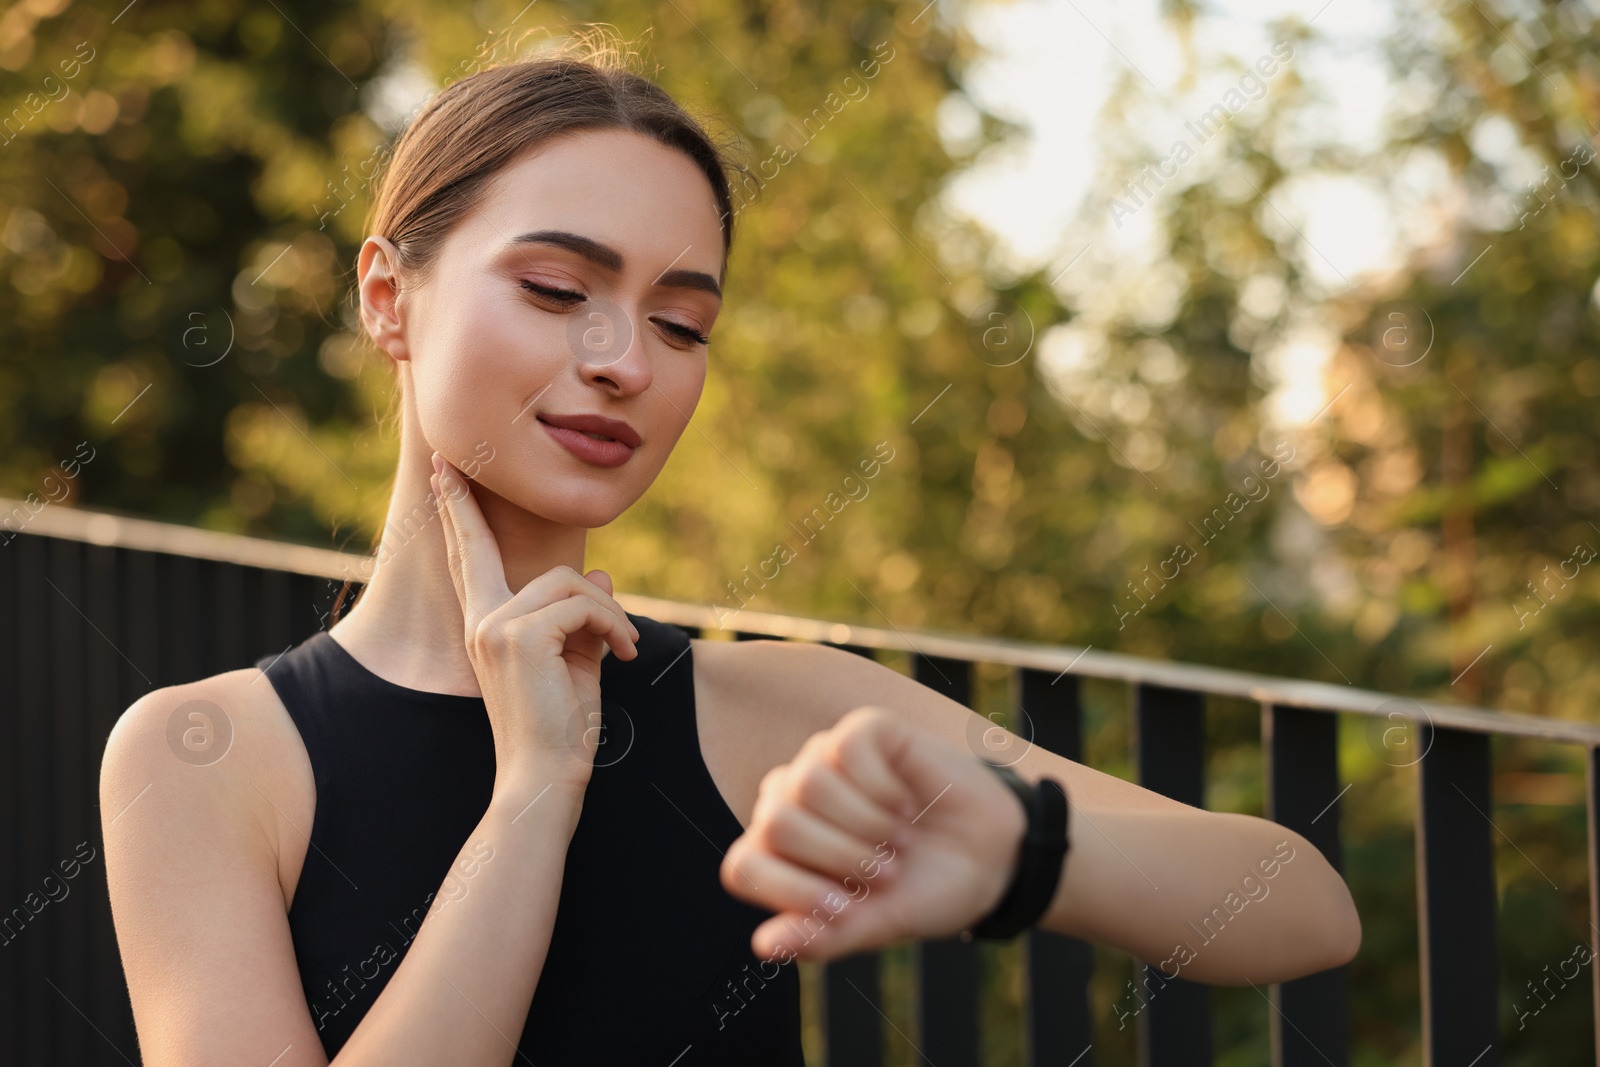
<point x="582" y="285"/>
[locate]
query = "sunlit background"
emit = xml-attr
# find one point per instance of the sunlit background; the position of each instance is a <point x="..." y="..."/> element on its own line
<point x="1256" y="335"/>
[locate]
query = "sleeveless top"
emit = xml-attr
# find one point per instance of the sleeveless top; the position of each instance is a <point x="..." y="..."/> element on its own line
<point x="649" y="959"/>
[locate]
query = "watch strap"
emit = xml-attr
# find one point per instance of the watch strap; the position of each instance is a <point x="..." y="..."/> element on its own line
<point x="1040" y="856"/>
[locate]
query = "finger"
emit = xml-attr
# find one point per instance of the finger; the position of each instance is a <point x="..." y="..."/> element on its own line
<point x="930" y="766"/>
<point x="452" y="552"/>
<point x="562" y="582"/>
<point x="816" y="786"/>
<point x="451" y="557"/>
<point x="862" y="751"/>
<point x="483" y="578"/>
<point x="795" y="834"/>
<point x="579" y="615"/>
<point x="603" y="580"/>
<point x="814" y="936"/>
<point x="838" y="926"/>
<point x="758" y="877"/>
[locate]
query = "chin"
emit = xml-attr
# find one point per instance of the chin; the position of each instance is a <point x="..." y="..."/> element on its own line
<point x="587" y="502"/>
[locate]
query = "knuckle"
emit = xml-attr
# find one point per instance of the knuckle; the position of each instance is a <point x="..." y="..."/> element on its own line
<point x="554" y="578"/>
<point x="784" y="824"/>
<point x="489" y="636"/>
<point x="770" y="781"/>
<point x="479" y="633"/>
<point x="851" y="746"/>
<point x="811" y="788"/>
<point x="868" y="717"/>
<point x="813" y="748"/>
<point x="515" y="630"/>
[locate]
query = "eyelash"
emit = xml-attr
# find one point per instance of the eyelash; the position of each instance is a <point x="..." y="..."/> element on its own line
<point x="569" y="299"/>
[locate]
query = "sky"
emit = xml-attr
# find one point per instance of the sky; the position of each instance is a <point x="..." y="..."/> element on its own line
<point x="1051" y="68"/>
<point x="1053" y="65"/>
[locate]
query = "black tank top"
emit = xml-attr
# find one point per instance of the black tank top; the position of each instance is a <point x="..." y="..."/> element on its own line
<point x="649" y="960"/>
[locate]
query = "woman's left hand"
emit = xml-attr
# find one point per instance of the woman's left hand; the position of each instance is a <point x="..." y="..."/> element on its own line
<point x="875" y="832"/>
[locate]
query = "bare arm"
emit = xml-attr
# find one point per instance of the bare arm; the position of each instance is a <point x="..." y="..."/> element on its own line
<point x="1167" y="886"/>
<point x="192" y="857"/>
<point x="461" y="994"/>
<point x="1146" y="874"/>
<point x="1164" y="880"/>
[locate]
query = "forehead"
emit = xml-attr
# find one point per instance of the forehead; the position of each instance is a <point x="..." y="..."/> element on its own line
<point x="651" y="203"/>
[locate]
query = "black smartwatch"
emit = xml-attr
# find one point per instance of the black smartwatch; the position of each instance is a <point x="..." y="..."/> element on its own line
<point x="1039" y="862"/>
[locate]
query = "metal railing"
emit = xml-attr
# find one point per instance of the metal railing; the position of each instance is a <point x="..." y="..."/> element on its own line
<point x="99" y="609"/>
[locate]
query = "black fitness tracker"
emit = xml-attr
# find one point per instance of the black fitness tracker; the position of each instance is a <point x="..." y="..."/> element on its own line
<point x="1044" y="847"/>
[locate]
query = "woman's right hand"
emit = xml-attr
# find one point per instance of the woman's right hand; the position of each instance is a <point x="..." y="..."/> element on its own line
<point x="536" y="652"/>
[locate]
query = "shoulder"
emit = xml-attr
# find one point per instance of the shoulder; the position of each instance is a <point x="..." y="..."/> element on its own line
<point x="218" y="758"/>
<point x="231" y="716"/>
<point x="198" y="790"/>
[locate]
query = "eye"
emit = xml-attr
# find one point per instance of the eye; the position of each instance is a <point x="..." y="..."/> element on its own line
<point x="682" y="332"/>
<point x="565" y="297"/>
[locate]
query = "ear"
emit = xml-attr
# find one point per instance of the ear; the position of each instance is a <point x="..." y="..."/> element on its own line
<point x="378" y="282"/>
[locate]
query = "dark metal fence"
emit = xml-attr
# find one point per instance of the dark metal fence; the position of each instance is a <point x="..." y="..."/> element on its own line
<point x="99" y="610"/>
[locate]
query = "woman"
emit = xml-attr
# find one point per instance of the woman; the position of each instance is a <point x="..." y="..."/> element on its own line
<point x="483" y="818"/>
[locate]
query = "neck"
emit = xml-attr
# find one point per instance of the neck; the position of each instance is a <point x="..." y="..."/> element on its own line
<point x="407" y="625"/>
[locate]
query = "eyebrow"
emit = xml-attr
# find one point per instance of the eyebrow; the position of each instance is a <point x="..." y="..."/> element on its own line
<point x="608" y="258"/>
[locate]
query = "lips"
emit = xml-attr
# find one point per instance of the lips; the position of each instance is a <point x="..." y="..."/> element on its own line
<point x="592" y="438"/>
<point x="596" y="427"/>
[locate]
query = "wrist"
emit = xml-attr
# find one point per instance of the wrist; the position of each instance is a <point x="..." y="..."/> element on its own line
<point x="1013" y="831"/>
<point x="544" y="787"/>
<point x="1036" y="871"/>
<point x="539" y="767"/>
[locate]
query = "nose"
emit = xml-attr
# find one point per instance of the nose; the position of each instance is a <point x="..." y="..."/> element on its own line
<point x="604" y="337"/>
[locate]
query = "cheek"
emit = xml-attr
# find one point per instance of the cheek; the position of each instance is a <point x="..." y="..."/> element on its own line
<point x="477" y="364"/>
<point x="682" y="383"/>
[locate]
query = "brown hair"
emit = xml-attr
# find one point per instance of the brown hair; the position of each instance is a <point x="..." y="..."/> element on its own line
<point x="446" y="158"/>
<point x="448" y="155"/>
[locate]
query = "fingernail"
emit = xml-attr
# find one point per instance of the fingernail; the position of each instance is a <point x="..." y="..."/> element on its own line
<point x="438" y="463"/>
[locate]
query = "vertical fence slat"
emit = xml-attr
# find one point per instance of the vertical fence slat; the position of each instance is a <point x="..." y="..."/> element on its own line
<point x="1058" y="967"/>
<point x="852" y="996"/>
<point x="851" y="1026"/>
<point x="1591" y="812"/>
<point x="1310" y="1023"/>
<point x="1457" y="901"/>
<point x="69" y="823"/>
<point x="947" y="969"/>
<point x="1169" y="747"/>
<point x="11" y="802"/>
<point x="36" y="1009"/>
